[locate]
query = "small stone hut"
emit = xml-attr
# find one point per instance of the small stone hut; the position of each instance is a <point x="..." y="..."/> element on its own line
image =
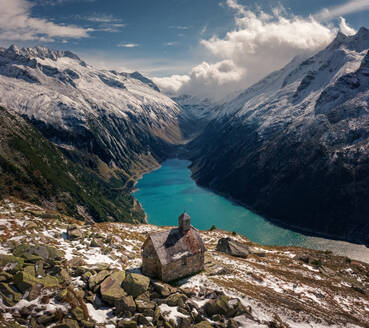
<point x="173" y="254"/>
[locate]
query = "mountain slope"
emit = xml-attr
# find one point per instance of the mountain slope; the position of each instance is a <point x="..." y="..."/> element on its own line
<point x="117" y="125"/>
<point x="295" y="145"/>
<point x="34" y="169"/>
<point x="76" y="265"/>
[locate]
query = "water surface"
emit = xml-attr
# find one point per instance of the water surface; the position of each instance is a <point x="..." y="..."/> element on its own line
<point x="168" y="191"/>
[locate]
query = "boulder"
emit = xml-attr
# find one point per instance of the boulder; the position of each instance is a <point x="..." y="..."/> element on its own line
<point x="50" y="282"/>
<point x="9" y="294"/>
<point x="35" y="292"/>
<point x="177" y="299"/>
<point x="30" y="269"/>
<point x="47" y="319"/>
<point x="232" y="247"/>
<point x="146" y="307"/>
<point x="31" y="225"/>
<point x="97" y="278"/>
<point x="64" y="275"/>
<point x="110" y="289"/>
<point x="157" y="315"/>
<point x="11" y="263"/>
<point x="5" y="276"/>
<point x="97" y="243"/>
<point x="76" y="261"/>
<point x="203" y="324"/>
<point x="78" y="313"/>
<point x="67" y="323"/>
<point x="74" y="233"/>
<point x="163" y="289"/>
<point x="124" y="305"/>
<point x="40" y="271"/>
<point x="35" y="253"/>
<point x="142" y="320"/>
<point x="127" y="324"/>
<point x="136" y="284"/>
<point x="225" y="306"/>
<point x="24" y="281"/>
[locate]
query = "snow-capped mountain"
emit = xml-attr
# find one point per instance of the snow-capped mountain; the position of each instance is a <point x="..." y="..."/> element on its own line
<point x="117" y="124"/>
<point x="295" y="145"/>
<point x="57" y="87"/>
<point x="57" y="90"/>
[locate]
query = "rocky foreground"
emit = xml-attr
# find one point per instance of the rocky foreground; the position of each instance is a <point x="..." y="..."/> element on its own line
<point x="58" y="272"/>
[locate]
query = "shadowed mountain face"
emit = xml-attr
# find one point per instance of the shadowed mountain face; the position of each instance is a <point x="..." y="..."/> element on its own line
<point x="295" y="146"/>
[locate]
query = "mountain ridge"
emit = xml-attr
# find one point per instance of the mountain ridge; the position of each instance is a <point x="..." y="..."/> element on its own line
<point x="114" y="125"/>
<point x="275" y="149"/>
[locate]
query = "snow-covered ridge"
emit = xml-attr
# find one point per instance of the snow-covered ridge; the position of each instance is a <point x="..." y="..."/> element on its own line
<point x="294" y="90"/>
<point x="41" y="52"/>
<point x="297" y="85"/>
<point x="56" y="87"/>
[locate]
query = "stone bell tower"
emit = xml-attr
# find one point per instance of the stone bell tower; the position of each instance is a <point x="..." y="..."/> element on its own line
<point x="184" y="222"/>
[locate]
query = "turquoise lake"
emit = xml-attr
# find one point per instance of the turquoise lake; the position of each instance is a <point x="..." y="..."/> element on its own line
<point x="166" y="192"/>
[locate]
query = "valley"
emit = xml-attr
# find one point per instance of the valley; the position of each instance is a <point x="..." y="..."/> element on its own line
<point x="291" y="147"/>
<point x="75" y="141"/>
<point x="168" y="190"/>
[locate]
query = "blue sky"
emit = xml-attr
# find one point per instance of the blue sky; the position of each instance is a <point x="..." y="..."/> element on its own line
<point x="162" y="38"/>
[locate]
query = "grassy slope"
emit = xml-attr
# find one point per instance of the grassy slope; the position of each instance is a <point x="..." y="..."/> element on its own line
<point x="34" y="169"/>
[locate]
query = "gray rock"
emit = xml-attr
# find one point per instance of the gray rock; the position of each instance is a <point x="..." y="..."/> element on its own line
<point x="97" y="243"/>
<point x="110" y="288"/>
<point x="35" y="253"/>
<point x="127" y="324"/>
<point x="136" y="284"/>
<point x="232" y="247"/>
<point x="74" y="233"/>
<point x="97" y="278"/>
<point x="125" y="304"/>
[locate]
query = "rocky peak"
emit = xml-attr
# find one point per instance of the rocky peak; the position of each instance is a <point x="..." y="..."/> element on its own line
<point x="138" y="76"/>
<point x="357" y="42"/>
<point x="363" y="32"/>
<point x="38" y="52"/>
<point x="340" y="37"/>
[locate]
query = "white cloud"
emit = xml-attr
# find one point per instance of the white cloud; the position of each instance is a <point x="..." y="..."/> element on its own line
<point x="127" y="45"/>
<point x="349" y="7"/>
<point x="259" y="44"/>
<point x="345" y="28"/>
<point x="16" y="23"/>
<point x="171" y="85"/>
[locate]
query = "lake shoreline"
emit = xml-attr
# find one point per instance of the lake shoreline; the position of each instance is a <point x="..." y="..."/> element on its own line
<point x="279" y="223"/>
<point x="174" y="181"/>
